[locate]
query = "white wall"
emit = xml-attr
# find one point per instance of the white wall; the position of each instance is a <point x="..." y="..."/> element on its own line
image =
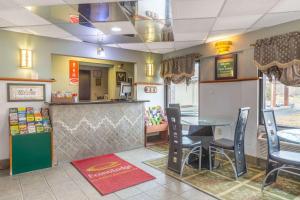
<point x="154" y="98"/>
<point x="222" y="100"/>
<point x="4" y="106"/>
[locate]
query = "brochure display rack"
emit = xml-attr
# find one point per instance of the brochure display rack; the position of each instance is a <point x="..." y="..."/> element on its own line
<point x="30" y="139"/>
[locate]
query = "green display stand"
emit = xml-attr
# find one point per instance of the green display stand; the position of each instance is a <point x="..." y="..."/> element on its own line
<point x="30" y="152"/>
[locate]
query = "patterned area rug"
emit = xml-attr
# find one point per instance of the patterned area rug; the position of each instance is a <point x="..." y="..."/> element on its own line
<point x="220" y="183"/>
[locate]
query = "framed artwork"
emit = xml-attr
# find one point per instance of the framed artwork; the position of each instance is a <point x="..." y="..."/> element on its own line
<point x="98" y="81"/>
<point x="120" y="77"/>
<point x="17" y="92"/>
<point x="226" y="67"/>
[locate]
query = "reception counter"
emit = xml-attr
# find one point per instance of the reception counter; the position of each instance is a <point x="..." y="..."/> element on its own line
<point x="86" y="129"/>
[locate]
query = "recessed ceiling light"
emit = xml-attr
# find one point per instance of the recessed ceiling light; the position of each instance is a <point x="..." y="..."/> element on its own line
<point x="30" y="8"/>
<point x="116" y="29"/>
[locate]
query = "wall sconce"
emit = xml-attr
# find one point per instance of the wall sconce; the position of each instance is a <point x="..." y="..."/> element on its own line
<point x="25" y="58"/>
<point x="223" y="47"/>
<point x="149" y="69"/>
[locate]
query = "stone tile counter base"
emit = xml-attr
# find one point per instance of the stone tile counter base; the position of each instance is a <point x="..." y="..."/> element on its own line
<point x="87" y="130"/>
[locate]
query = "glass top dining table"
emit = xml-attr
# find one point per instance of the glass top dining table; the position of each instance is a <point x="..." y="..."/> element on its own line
<point x="290" y="135"/>
<point x="206" y="121"/>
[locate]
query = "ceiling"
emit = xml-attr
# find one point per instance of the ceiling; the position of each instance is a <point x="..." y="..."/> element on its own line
<point x="158" y="26"/>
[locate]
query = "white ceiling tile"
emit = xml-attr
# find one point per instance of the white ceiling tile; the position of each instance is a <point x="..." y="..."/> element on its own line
<point x="4" y="23"/>
<point x="241" y="22"/>
<point x="134" y="46"/>
<point x="273" y="19"/>
<point x="190" y="36"/>
<point x="8" y="4"/>
<point x="286" y="6"/>
<point x="184" y="45"/>
<point x="220" y="35"/>
<point x="18" y="30"/>
<point x="253" y="29"/>
<point x="163" y="51"/>
<point x="246" y="7"/>
<point x="49" y="31"/>
<point x="126" y="27"/>
<point x="113" y="45"/>
<point x="183" y="9"/>
<point x="192" y="25"/>
<point x="160" y="45"/>
<point x="72" y="38"/>
<point x="22" y="17"/>
<point x="39" y="2"/>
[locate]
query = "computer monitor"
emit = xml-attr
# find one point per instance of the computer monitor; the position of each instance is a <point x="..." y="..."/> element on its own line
<point x="125" y="89"/>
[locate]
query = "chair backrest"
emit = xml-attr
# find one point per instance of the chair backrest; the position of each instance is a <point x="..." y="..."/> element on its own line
<point x="271" y="130"/>
<point x="175" y="139"/>
<point x="239" y="141"/>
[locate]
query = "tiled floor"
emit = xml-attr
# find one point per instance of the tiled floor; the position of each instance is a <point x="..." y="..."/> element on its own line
<point x="66" y="183"/>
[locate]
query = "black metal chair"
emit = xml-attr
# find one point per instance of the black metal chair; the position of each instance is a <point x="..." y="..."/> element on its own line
<point x="285" y="160"/>
<point x="184" y="132"/>
<point x="236" y="146"/>
<point x="179" y="144"/>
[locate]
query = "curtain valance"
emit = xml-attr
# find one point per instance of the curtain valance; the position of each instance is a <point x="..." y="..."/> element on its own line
<point x="179" y="69"/>
<point x="279" y="57"/>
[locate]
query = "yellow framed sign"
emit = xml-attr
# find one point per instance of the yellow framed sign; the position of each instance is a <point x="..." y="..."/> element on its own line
<point x="226" y="67"/>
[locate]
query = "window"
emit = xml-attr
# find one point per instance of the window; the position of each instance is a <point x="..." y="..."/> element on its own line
<point x="185" y="95"/>
<point x="285" y="100"/>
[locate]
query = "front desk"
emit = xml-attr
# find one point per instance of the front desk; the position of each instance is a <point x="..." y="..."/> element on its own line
<point x="86" y="129"/>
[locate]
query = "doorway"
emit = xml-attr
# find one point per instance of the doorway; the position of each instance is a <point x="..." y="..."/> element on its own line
<point x="84" y="85"/>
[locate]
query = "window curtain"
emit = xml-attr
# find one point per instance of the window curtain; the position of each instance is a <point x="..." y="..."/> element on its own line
<point x="279" y="57"/>
<point x="178" y="70"/>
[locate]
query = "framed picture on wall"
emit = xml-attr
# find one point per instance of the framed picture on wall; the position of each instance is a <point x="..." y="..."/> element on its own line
<point x="120" y="77"/>
<point x="226" y="67"/>
<point x="17" y="92"/>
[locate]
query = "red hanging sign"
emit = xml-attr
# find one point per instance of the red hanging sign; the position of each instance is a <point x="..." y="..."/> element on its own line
<point x="74" y="72"/>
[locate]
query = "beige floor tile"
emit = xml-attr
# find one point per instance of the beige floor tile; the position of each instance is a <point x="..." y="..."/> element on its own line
<point x="11" y="197"/>
<point x="56" y="175"/>
<point x="35" y="188"/>
<point x="147" y="185"/>
<point x="128" y="192"/>
<point x="177" y="187"/>
<point x="165" y="179"/>
<point x="66" y="183"/>
<point x="46" y="195"/>
<point x="141" y="196"/>
<point x="68" y="190"/>
<point x="194" y="194"/>
<point x="110" y="197"/>
<point x="10" y="189"/>
<point x="30" y="177"/>
<point x="161" y="192"/>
